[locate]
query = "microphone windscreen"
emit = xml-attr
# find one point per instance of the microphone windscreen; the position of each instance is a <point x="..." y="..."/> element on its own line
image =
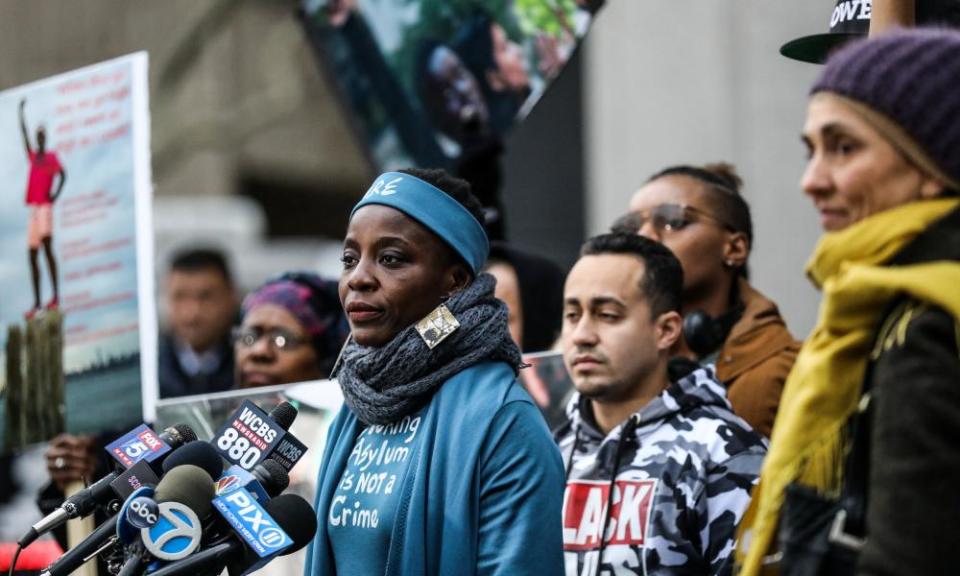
<point x="188" y="485"/>
<point x="182" y="432"/>
<point x="196" y="453"/>
<point x="284" y="415"/>
<point x="277" y="479"/>
<point x="296" y="517"/>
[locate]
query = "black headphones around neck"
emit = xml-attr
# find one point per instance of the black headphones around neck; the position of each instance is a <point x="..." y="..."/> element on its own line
<point x="705" y="334"/>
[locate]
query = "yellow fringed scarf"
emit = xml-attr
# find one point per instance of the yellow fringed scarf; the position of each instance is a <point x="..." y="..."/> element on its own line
<point x="823" y="389"/>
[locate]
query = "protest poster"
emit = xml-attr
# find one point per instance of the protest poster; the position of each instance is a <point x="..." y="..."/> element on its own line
<point x="432" y="83"/>
<point x="77" y="312"/>
<point x="549" y="384"/>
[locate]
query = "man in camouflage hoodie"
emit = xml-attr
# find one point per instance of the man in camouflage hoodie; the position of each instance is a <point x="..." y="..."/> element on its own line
<point x="662" y="469"/>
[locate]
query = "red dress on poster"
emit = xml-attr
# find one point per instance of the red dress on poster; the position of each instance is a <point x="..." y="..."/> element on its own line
<point x="44" y="168"/>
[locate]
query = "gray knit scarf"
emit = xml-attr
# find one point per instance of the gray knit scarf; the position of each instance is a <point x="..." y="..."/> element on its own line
<point x="381" y="385"/>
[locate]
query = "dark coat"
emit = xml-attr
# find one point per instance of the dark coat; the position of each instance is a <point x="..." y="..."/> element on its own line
<point x="913" y="488"/>
<point x="175" y="382"/>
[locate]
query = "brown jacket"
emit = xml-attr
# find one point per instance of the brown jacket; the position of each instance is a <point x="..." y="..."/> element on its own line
<point x="755" y="360"/>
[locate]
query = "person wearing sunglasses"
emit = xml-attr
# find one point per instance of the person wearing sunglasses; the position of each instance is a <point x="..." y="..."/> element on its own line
<point x="699" y="214"/>
<point x="291" y="331"/>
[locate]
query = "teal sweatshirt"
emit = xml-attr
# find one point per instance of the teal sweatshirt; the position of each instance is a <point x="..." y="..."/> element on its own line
<point x="484" y="491"/>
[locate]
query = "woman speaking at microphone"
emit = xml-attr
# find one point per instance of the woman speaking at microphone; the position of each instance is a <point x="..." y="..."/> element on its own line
<point x="439" y="462"/>
<point x="699" y="213"/>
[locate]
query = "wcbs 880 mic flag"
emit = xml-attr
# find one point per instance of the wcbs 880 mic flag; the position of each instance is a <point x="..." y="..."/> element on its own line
<point x="250" y="436"/>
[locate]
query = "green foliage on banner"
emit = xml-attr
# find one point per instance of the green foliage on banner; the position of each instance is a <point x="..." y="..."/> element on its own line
<point x="549" y="17"/>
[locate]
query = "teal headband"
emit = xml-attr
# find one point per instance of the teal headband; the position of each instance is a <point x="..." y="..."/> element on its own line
<point x="433" y="208"/>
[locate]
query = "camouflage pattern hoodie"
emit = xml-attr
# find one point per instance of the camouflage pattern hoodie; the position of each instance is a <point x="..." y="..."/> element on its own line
<point x="685" y="466"/>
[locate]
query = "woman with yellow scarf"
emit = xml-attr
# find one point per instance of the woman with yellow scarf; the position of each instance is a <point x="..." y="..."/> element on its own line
<point x="863" y="472"/>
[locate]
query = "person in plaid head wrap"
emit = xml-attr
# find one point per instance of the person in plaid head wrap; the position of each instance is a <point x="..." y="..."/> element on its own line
<point x="292" y="330"/>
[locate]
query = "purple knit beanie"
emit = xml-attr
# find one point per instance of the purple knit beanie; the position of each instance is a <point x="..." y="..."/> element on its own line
<point x="912" y="77"/>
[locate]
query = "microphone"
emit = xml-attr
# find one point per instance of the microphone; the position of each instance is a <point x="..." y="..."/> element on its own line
<point x="284" y="414"/>
<point x="293" y="515"/>
<point x="115" y="525"/>
<point x="189" y="485"/>
<point x="197" y="453"/>
<point x="132" y="479"/>
<point x="141" y="474"/>
<point x="250" y="436"/>
<point x="142" y="443"/>
<point x="84" y="502"/>
<point x="265" y="481"/>
<point x="297" y="518"/>
<point x="171" y="528"/>
<point x="289" y="450"/>
<point x="272" y="476"/>
<point x="87" y="548"/>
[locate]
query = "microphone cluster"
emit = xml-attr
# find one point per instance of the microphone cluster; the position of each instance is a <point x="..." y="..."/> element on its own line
<point x="174" y="509"/>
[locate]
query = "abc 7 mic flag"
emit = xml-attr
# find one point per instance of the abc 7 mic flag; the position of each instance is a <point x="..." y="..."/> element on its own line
<point x="168" y="530"/>
<point x="176" y="533"/>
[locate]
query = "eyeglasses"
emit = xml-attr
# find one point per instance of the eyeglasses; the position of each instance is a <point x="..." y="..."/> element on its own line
<point x="277" y="338"/>
<point x="673" y="217"/>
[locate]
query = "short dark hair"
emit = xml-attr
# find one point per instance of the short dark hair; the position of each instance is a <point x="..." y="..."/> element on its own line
<point x="723" y="185"/>
<point x="662" y="283"/>
<point x="201" y="259"/>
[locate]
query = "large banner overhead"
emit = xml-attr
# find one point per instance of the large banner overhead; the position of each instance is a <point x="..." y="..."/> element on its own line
<point x="430" y="82"/>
